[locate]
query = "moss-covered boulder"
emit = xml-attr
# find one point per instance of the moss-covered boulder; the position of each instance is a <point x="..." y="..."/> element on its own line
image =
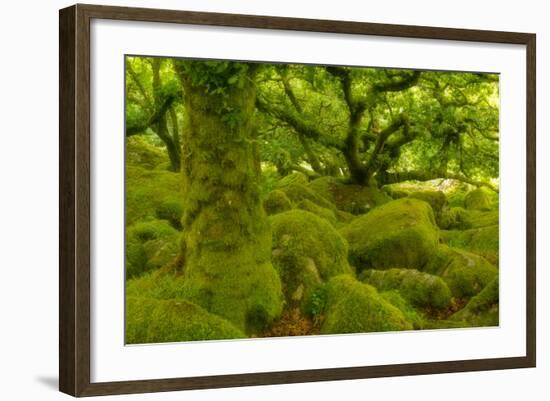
<point x="458" y="218"/>
<point x="354" y="307"/>
<point x="150" y="245"/>
<point x="483" y="241"/>
<point x="156" y="284"/>
<point x="411" y="314"/>
<point x="276" y="202"/>
<point x="465" y="273"/>
<point x="155" y="321"/>
<point x="478" y="199"/>
<point x="141" y="152"/>
<point x="399" y="233"/>
<point x="153" y="194"/>
<point x="483" y="309"/>
<point x="320" y="211"/>
<point x="306" y="251"/>
<point x="436" y="199"/>
<point x="298" y="193"/>
<point x="454" y="218"/>
<point x="293" y="178"/>
<point x="419" y="289"/>
<point x="351" y="198"/>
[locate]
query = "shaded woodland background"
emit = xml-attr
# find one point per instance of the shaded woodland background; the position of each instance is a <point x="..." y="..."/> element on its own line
<point x="274" y="200"/>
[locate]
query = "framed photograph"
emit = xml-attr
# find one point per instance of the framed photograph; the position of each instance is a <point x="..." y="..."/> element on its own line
<point x="250" y="200"/>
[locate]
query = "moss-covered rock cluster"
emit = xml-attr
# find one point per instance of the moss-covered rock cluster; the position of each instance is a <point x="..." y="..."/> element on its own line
<point x="419" y="289"/>
<point x="331" y="258"/>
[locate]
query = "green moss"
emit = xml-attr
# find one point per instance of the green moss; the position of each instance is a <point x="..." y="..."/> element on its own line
<point x="462" y="219"/>
<point x="454" y="218"/>
<point x="483" y="241"/>
<point x="156" y="321"/>
<point x="419" y="289"/>
<point x="351" y="198"/>
<point x="465" y="273"/>
<point x="478" y="199"/>
<point x="395" y="192"/>
<point x="156" y="284"/>
<point x="344" y="217"/>
<point x="399" y="233"/>
<point x="483" y="309"/>
<point x="141" y="152"/>
<point x="294" y="178"/>
<point x="412" y="315"/>
<point x="320" y="211"/>
<point x="153" y="194"/>
<point x="436" y="199"/>
<point x="298" y="192"/>
<point x="354" y="307"/>
<point x="276" y="202"/>
<point x="434" y="324"/>
<point x="226" y="242"/>
<point x="149" y="245"/>
<point x="307" y="251"/>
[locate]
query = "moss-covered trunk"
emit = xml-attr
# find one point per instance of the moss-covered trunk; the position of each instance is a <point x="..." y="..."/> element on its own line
<point x="226" y="243"/>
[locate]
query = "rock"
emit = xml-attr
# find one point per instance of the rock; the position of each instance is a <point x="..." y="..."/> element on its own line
<point x="482" y="241"/>
<point x="294" y="178"/>
<point x="411" y="314"/>
<point x="354" y="307"/>
<point x="483" y="309"/>
<point x="417" y="288"/>
<point x="140" y="152"/>
<point x="436" y="199"/>
<point x="153" y="194"/>
<point x="320" y="211"/>
<point x="155" y="321"/>
<point x="351" y="198"/>
<point x="401" y="233"/>
<point x="276" y="202"/>
<point x="478" y="199"/>
<point x="306" y="251"/>
<point x="150" y="245"/>
<point x="297" y="193"/>
<point x="465" y="273"/>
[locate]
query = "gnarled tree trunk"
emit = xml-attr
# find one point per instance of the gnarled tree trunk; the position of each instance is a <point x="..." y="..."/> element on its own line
<point x="226" y="243"/>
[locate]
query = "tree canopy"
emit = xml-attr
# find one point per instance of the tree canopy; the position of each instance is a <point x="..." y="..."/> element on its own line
<point x="367" y="125"/>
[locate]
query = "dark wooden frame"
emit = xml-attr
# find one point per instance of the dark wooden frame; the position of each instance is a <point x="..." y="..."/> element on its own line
<point x="74" y="200"/>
